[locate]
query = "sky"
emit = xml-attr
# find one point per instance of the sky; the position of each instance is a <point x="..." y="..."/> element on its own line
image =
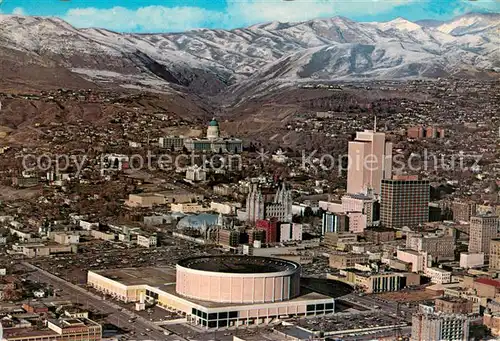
<point x="154" y="16"/>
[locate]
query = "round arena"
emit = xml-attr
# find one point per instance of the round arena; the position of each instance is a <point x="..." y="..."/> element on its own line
<point x="238" y="279"/>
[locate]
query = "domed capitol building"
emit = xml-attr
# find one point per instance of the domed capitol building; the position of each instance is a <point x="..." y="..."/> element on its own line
<point x="213" y="142"/>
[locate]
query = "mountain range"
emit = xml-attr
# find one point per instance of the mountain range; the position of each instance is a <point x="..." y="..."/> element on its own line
<point x="204" y="61"/>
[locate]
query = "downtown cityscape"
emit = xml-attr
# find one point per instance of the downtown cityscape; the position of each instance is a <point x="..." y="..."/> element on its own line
<point x="319" y="178"/>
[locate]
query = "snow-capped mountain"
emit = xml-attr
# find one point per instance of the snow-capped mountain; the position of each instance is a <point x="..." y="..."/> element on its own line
<point x="213" y="59"/>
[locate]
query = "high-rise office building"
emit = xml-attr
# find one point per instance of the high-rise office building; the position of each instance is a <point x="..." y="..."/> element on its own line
<point x="440" y="326"/>
<point x="483" y="228"/>
<point x="334" y="222"/>
<point x="360" y="203"/>
<point x="370" y="161"/>
<point x="404" y="203"/>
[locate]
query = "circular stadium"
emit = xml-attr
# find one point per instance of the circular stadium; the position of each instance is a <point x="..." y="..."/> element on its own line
<point x="238" y="279"/>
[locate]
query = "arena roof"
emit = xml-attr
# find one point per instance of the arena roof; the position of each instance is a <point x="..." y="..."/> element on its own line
<point x="153" y="276"/>
<point x="238" y="264"/>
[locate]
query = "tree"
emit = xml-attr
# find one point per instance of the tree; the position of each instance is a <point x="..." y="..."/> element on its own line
<point x="479" y="332"/>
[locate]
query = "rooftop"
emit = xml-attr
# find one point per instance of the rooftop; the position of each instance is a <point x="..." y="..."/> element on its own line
<point x="305" y="295"/>
<point x="439" y="270"/>
<point x="238" y="264"/>
<point x="410" y="251"/>
<point x="488" y="281"/>
<point x="153" y="276"/>
<point x="452" y="299"/>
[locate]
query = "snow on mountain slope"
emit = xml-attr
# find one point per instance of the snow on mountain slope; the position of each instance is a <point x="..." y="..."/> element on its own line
<point x="213" y="59"/>
<point x="470" y="24"/>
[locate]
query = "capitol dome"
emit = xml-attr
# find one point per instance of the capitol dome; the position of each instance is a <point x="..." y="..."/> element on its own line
<point x="213" y="132"/>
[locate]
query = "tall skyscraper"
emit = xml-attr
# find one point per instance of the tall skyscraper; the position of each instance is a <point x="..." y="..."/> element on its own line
<point x="404" y="203"/>
<point x="483" y="228"/>
<point x="370" y="161"/>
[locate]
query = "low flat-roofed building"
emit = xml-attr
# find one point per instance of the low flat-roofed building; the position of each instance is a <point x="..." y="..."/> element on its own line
<point x="127" y="284"/>
<point x="333" y="207"/>
<point x="24" y="182"/>
<point x="162" y="198"/>
<point x="228" y="208"/>
<point x="171" y="142"/>
<point x="486" y="287"/>
<point x="145" y="200"/>
<point x="417" y="259"/>
<point x="332" y="239"/>
<point x="379" y="235"/>
<point x="20" y="232"/>
<point x="345" y="260"/>
<point x="81" y="329"/>
<point x="103" y="235"/>
<point x="456" y="290"/>
<point x="188" y="208"/>
<point x="438" y="275"/>
<point x="400" y="265"/>
<point x="147" y="240"/>
<point x="471" y="260"/>
<point x="453" y="305"/>
<point x="224" y="189"/>
<point x="35" y="307"/>
<point x="180" y="196"/>
<point x="66" y="238"/>
<point x="373" y="282"/>
<point x="41" y="249"/>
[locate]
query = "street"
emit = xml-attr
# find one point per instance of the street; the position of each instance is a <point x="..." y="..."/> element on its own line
<point x="388" y="308"/>
<point x="142" y="328"/>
